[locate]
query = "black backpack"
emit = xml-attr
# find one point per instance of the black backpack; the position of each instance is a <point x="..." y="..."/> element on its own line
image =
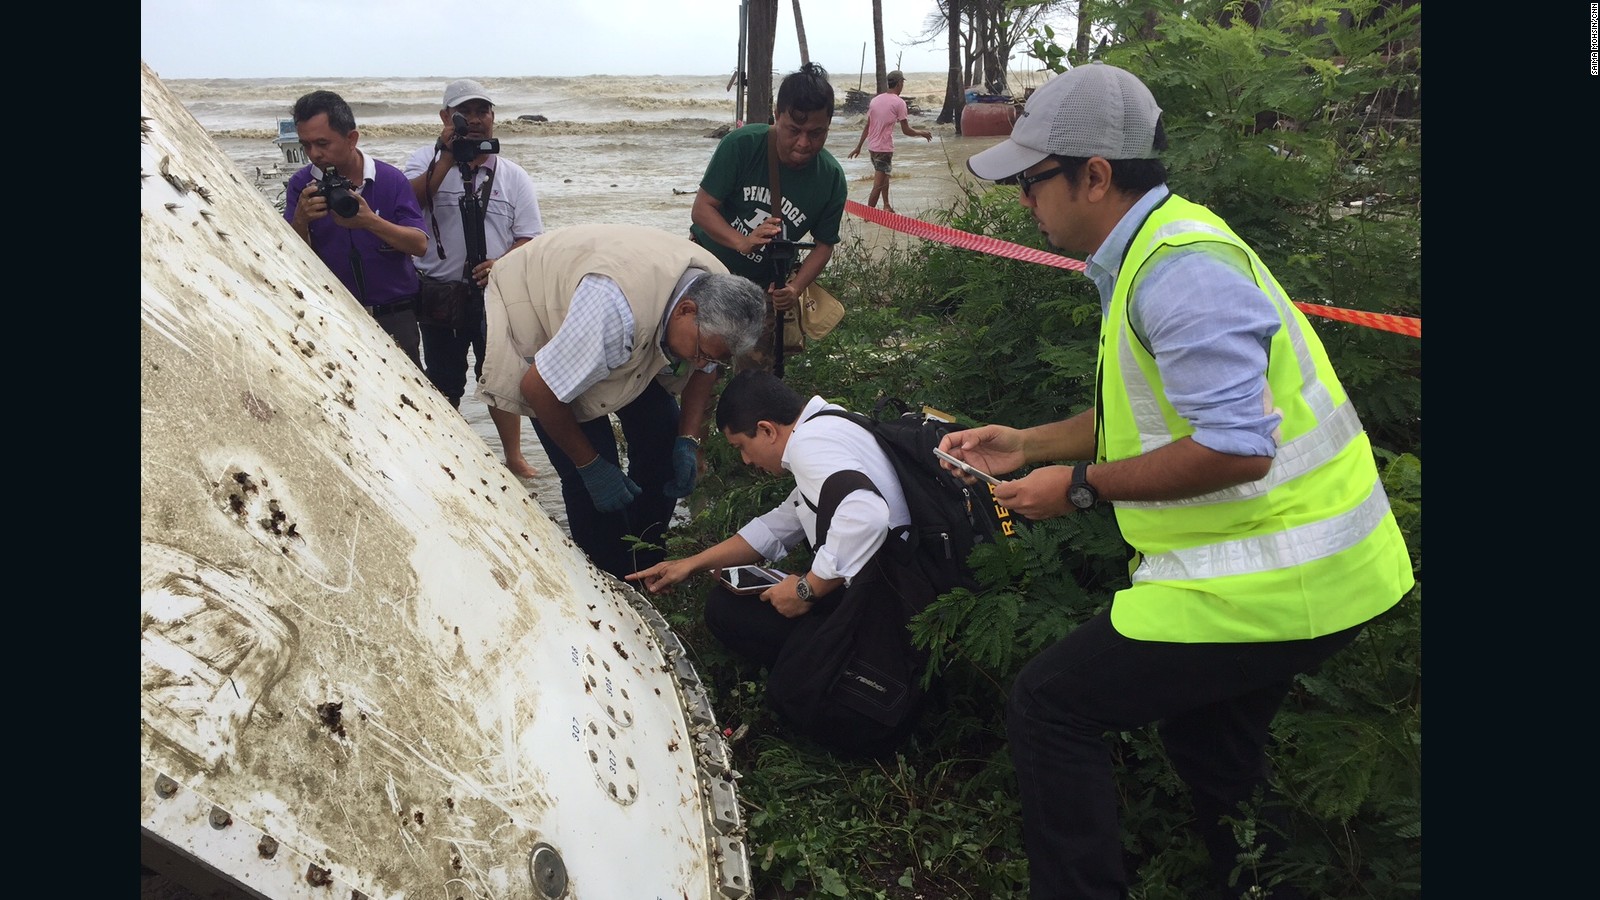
<point x="851" y="678"/>
<point x="948" y="516"/>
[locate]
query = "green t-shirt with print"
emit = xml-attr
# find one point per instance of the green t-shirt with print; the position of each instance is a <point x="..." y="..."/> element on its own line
<point x="813" y="198"/>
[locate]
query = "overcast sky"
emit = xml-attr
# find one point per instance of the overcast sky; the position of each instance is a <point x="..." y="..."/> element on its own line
<point x="296" y="38"/>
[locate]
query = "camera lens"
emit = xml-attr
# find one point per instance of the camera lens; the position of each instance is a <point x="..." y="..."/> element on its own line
<point x="336" y="188"/>
<point x="343" y="203"/>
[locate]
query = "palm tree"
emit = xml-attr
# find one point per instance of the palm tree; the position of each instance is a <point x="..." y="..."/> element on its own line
<point x="877" y="44"/>
<point x="800" y="32"/>
<point x="953" y="94"/>
<point x="1082" y="43"/>
<point x="763" y="32"/>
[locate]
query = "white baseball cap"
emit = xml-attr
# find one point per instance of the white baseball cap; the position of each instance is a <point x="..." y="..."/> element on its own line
<point x="1092" y="110"/>
<point x="463" y="90"/>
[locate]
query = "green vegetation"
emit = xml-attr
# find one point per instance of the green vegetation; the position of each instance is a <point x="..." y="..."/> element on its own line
<point x="1304" y="133"/>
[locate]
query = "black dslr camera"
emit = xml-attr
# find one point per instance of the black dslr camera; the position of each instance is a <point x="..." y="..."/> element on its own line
<point x="465" y="149"/>
<point x="340" y="193"/>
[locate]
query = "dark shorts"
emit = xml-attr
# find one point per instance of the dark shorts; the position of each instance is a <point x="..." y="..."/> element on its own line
<point x="880" y="161"/>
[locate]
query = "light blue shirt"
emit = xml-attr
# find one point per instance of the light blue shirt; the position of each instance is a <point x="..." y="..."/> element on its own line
<point x="1199" y="311"/>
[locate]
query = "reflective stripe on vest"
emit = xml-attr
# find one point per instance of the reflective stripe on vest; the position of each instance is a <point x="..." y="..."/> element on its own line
<point x="1265" y="553"/>
<point x="1294" y="459"/>
<point x="1153" y="432"/>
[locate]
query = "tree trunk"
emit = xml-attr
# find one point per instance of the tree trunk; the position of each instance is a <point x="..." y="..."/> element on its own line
<point x="954" y="89"/>
<point x="1082" y="45"/>
<point x="877" y="44"/>
<point x="994" y="65"/>
<point x="800" y="32"/>
<point x="763" y="32"/>
<point x="741" y="71"/>
<point x="980" y="45"/>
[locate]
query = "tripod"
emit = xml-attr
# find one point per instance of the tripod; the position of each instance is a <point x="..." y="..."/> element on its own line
<point x="782" y="255"/>
<point x="472" y="214"/>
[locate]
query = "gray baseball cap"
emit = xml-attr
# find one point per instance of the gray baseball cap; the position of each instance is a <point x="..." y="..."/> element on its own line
<point x="465" y="89"/>
<point x="1092" y="110"/>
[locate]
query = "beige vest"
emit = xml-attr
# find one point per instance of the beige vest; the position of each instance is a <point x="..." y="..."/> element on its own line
<point x="531" y="288"/>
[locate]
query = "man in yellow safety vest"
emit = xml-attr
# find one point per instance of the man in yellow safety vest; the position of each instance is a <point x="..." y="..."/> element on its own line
<point x="1238" y="472"/>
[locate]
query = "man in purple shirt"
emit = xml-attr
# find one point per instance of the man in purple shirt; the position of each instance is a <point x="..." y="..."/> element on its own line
<point x="359" y="215"/>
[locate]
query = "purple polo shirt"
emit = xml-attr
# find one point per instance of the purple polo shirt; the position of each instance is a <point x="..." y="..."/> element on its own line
<point x="388" y="274"/>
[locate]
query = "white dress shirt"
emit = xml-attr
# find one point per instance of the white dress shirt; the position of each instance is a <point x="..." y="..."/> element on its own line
<point x="818" y="448"/>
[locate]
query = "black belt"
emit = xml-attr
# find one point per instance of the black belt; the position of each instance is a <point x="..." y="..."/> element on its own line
<point x="379" y="312"/>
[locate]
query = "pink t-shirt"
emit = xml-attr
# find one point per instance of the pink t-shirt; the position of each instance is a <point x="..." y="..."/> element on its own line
<point x="884" y="113"/>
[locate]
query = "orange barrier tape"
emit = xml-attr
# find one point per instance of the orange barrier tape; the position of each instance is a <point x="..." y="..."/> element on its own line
<point x="932" y="232"/>
<point x="1407" y="325"/>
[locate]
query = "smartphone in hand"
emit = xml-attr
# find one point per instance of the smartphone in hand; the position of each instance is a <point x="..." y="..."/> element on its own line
<point x="966" y="467"/>
<point x="749" y="579"/>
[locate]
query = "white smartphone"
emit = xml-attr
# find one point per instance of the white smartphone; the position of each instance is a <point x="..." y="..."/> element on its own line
<point x="749" y="579"/>
<point x="966" y="467"/>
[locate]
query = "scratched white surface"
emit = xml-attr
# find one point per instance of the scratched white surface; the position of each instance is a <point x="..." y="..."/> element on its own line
<point x="322" y="535"/>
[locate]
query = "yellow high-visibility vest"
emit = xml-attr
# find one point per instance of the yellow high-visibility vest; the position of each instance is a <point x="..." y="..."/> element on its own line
<point x="1310" y="549"/>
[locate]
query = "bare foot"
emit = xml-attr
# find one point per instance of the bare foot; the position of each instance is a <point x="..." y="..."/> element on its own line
<point x="889" y="209"/>
<point x="520" y="468"/>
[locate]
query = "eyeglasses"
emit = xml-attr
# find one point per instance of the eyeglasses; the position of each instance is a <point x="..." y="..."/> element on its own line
<point x="1026" y="182"/>
<point x="700" y="354"/>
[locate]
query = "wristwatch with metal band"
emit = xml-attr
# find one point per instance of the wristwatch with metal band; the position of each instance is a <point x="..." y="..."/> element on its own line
<point x="1081" y="493"/>
<point x="802" y="588"/>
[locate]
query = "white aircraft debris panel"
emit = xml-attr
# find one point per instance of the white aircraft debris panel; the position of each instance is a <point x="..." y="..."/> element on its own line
<point x="371" y="666"/>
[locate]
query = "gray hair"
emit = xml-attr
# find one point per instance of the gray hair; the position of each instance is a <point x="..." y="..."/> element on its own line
<point x="730" y="307"/>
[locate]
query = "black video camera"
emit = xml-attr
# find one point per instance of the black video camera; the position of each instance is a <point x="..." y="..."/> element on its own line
<point x="340" y="192"/>
<point x="465" y="149"/>
<point x="781" y="254"/>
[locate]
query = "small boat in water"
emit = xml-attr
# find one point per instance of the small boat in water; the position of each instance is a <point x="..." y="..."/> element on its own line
<point x="288" y="141"/>
<point x="273" y="182"/>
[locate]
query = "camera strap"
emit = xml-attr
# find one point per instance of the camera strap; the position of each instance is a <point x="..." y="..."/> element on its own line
<point x="355" y="266"/>
<point x="772" y="179"/>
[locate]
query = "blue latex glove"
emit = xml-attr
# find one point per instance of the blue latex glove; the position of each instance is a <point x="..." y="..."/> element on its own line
<point x="685" y="467"/>
<point x="608" y="487"/>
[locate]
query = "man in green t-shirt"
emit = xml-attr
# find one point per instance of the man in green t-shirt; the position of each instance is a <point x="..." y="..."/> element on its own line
<point x="733" y="215"/>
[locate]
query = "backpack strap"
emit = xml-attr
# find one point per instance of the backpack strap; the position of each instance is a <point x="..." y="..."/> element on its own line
<point x="855" y="417"/>
<point x="839" y="485"/>
<point x="900" y="531"/>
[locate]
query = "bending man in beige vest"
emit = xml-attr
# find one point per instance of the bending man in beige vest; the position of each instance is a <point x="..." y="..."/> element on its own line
<point x="592" y="321"/>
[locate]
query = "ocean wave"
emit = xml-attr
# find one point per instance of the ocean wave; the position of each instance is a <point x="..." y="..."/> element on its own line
<point x="504" y="128"/>
<point x="635" y="101"/>
<point x="408" y="108"/>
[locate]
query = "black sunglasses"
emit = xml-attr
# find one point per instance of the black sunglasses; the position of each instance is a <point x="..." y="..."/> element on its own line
<point x="1025" y="182"/>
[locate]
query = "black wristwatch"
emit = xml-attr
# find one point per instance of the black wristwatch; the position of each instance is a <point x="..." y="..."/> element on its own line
<point x="802" y="588"/>
<point x="1081" y="493"/>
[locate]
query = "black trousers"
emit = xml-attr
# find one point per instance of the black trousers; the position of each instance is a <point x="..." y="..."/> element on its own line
<point x="749" y="628"/>
<point x="650" y="426"/>
<point x="1213" y="703"/>
<point x="445" y="352"/>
